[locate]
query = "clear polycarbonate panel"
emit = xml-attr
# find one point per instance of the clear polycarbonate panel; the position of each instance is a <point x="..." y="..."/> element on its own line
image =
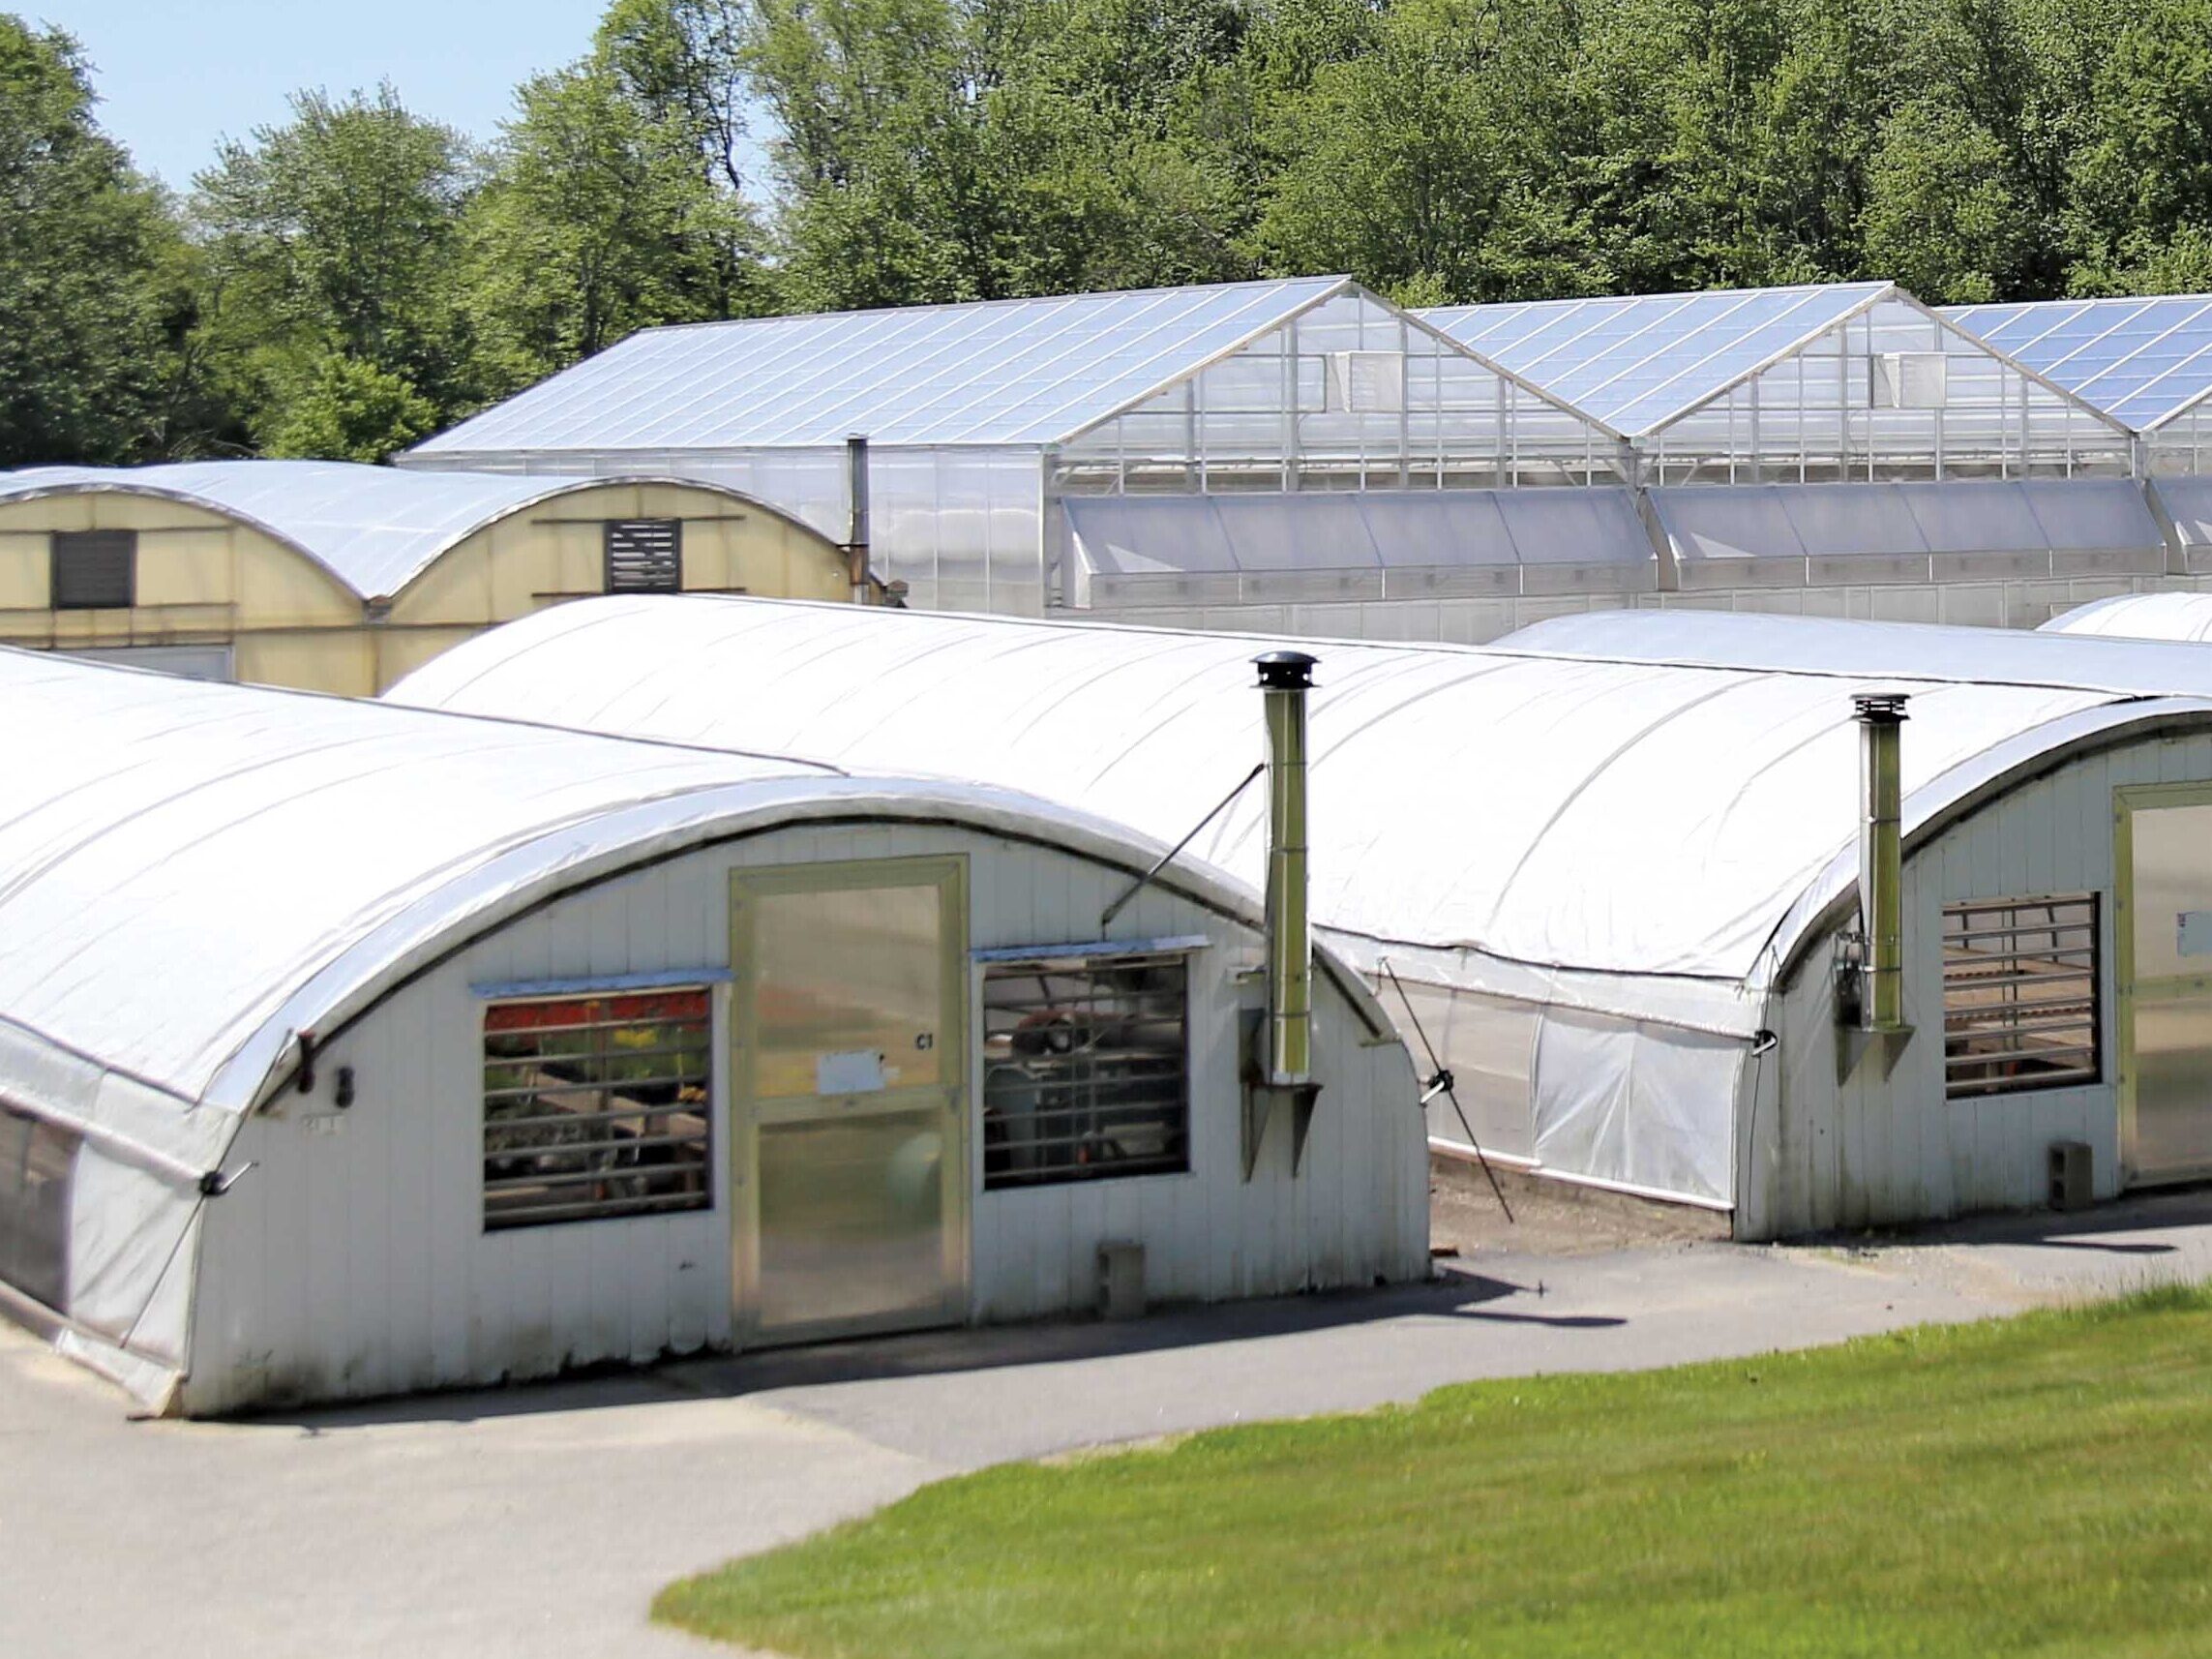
<point x="1000" y="371"/>
<point x="1348" y="395"/>
<point x="1634" y="362"/>
<point x="2143" y="361"/>
<point x="1396" y="543"/>
<point x="1800" y="385"/>
<point x="2027" y="526"/>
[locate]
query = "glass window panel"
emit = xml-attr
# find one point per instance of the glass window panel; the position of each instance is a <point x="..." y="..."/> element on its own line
<point x="841" y="972"/>
<point x="597" y="1105"/>
<point x="2020" y="989"/>
<point x="1085" y="1070"/>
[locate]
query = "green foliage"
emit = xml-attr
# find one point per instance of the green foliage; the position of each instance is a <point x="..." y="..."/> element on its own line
<point x="334" y="239"/>
<point x="341" y="273"/>
<point x="2035" y="1485"/>
<point x="90" y="262"/>
<point x="347" y="408"/>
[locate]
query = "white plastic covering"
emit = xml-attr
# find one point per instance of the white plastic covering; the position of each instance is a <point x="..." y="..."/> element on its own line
<point x="374" y="528"/>
<point x="2171" y="616"/>
<point x="1611" y="838"/>
<point x="190" y="875"/>
<point x="1136" y="550"/>
<point x="1874" y="650"/>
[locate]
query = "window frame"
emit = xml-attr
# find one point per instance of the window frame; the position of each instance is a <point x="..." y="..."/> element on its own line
<point x="609" y="529"/>
<point x="1969" y="1074"/>
<point x="696" y="1176"/>
<point x="1087" y="962"/>
<point x="61" y="545"/>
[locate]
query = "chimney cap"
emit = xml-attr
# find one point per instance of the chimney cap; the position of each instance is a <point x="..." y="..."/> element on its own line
<point x="1880" y="706"/>
<point x="1285" y="671"/>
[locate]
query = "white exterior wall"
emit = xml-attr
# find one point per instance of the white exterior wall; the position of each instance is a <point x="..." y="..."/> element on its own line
<point x="1818" y="1154"/>
<point x="352" y="1261"/>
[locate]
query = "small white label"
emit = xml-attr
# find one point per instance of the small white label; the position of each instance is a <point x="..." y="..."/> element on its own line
<point x="858" y="1072"/>
<point x="2193" y="933"/>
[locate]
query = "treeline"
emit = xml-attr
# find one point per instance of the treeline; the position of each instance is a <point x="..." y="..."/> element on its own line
<point x="359" y="277"/>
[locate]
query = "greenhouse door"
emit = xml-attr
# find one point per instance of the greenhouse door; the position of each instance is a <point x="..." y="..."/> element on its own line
<point x="2165" y="935"/>
<point x="849" y="1102"/>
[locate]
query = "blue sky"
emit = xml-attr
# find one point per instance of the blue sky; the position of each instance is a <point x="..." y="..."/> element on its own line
<point x="177" y="74"/>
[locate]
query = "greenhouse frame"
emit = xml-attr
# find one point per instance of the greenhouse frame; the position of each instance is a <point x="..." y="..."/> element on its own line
<point x="1819" y="382"/>
<point x="1608" y="877"/>
<point x="2146" y="362"/>
<point x="981" y="418"/>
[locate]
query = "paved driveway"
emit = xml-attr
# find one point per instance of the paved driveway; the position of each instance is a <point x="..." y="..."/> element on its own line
<point x="539" y="1522"/>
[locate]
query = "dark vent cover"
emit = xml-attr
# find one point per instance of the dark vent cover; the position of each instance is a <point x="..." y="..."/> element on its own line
<point x="645" y="555"/>
<point x="95" y="570"/>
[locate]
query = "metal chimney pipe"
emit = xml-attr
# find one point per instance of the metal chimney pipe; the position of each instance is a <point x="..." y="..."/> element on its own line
<point x="1285" y="677"/>
<point x="856" y="516"/>
<point x="1881" y="717"/>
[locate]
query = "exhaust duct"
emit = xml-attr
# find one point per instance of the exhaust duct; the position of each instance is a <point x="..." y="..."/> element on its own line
<point x="856" y="517"/>
<point x="1285" y="677"/>
<point x="1881" y="717"/>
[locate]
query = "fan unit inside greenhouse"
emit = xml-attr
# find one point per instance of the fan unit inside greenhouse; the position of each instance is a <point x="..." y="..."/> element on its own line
<point x="1908" y="380"/>
<point x="1367" y="382"/>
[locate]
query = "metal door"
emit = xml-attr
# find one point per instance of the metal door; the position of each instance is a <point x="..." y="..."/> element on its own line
<point x="850" y="1098"/>
<point x="2164" y="928"/>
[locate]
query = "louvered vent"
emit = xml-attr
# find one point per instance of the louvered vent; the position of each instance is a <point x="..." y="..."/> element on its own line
<point x="645" y="555"/>
<point x="95" y="570"/>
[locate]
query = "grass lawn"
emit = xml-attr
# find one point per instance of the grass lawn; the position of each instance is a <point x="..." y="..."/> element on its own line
<point x="2035" y="1485"/>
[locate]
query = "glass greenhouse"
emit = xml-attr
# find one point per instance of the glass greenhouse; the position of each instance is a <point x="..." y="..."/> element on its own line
<point x="2147" y="363"/>
<point x="983" y="417"/>
<point x="1824" y="382"/>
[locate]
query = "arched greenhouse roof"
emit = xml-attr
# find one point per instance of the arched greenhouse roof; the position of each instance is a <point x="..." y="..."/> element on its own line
<point x="373" y="528"/>
<point x="1620" y="835"/>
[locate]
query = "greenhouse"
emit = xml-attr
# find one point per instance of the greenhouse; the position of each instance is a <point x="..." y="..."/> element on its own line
<point x="2146" y="362"/>
<point x="332" y="577"/>
<point x="2178" y="616"/>
<point x="1610" y="886"/>
<point x="983" y="419"/>
<point x="349" y="1050"/>
<point x="1824" y="382"/>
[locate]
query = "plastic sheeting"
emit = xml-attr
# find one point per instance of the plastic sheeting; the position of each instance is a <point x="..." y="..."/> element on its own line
<point x="374" y="528"/>
<point x="2169" y="616"/>
<point x="1617" y="839"/>
<point x="190" y="875"/>
<point x="1958" y="656"/>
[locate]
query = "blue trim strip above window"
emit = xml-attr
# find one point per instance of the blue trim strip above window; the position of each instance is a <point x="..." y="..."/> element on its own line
<point x="499" y="990"/>
<point x="1089" y="948"/>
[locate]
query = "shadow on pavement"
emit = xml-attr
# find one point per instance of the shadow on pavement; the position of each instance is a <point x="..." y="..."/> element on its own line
<point x="2049" y="1229"/>
<point x="1456" y="1293"/>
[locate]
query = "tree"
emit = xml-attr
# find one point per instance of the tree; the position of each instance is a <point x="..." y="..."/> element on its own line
<point x="613" y="201"/>
<point x="332" y="243"/>
<point x="2143" y="179"/>
<point x="88" y="256"/>
<point x="1941" y="216"/>
<point x="1423" y="165"/>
